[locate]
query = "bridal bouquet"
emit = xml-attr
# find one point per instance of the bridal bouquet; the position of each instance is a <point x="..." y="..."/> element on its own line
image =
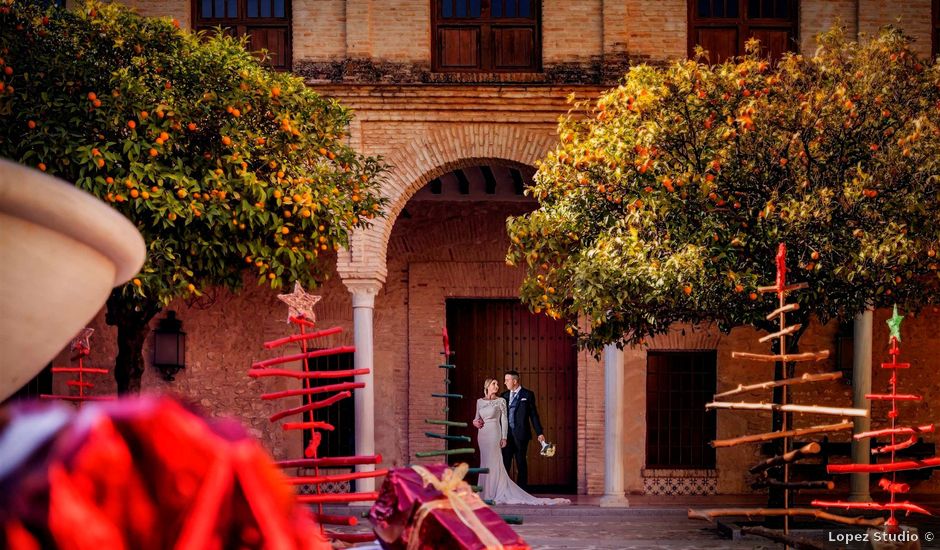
<point x="548" y="449"/>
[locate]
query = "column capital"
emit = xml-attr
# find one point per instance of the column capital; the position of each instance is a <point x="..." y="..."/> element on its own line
<point x="363" y="291"/>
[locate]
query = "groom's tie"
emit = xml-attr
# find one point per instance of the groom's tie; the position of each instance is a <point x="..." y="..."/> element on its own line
<point x="513" y="399"/>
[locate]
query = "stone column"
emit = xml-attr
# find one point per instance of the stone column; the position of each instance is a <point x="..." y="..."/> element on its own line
<point x="614" y="495"/>
<point x="363" y="300"/>
<point x="861" y="384"/>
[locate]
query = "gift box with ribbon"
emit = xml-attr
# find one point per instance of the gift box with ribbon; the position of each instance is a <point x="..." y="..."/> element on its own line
<point x="431" y="507"/>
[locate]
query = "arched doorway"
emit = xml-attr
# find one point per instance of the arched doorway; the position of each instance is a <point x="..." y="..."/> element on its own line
<point x="448" y="248"/>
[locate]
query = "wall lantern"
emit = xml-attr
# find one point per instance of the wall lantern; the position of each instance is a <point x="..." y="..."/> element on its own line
<point x="169" y="346"/>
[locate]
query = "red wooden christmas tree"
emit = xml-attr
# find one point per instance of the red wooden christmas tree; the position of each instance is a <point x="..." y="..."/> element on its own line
<point x="80" y="349"/>
<point x="902" y="437"/>
<point x="302" y="317"/>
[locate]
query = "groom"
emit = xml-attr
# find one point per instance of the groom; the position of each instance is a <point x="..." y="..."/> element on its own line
<point x="521" y="411"/>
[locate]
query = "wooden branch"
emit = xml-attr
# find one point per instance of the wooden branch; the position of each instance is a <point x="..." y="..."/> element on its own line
<point x="806" y="378"/>
<point x="795" y="357"/>
<point x="814" y="409"/>
<point x="905" y="506"/>
<point x="846" y="425"/>
<point x="883" y="468"/>
<point x="785" y="309"/>
<point x="900" y="431"/>
<point x="794" y="485"/>
<point x="787" y="458"/>
<point x="896" y="447"/>
<point x="709" y="515"/>
<point x="788" y="288"/>
<point x="793" y="541"/>
<point x="788" y="330"/>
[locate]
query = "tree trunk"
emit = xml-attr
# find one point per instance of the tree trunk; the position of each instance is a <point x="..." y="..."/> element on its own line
<point x="131" y="315"/>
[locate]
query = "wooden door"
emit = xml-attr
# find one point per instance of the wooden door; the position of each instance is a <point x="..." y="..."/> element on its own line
<point x="488" y="338"/>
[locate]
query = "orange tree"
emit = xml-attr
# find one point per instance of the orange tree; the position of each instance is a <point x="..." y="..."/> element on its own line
<point x="667" y="196"/>
<point x="222" y="164"/>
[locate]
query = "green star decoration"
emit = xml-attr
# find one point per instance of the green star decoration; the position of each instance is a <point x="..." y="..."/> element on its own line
<point x="894" y="324"/>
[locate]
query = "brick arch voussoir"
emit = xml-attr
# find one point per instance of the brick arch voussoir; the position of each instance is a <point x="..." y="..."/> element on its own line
<point x="431" y="156"/>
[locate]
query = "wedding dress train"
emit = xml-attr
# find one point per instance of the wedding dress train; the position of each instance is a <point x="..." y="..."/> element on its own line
<point x="497" y="485"/>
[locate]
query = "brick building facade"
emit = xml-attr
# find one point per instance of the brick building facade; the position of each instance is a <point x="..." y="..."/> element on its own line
<point x="443" y="131"/>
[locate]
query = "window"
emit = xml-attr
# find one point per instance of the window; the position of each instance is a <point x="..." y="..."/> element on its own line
<point x="486" y="35"/>
<point x="342" y="440"/>
<point x="678" y="428"/>
<point x="266" y="23"/>
<point x="723" y="26"/>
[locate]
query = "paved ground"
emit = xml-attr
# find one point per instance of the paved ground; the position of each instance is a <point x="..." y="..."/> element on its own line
<point x="645" y="525"/>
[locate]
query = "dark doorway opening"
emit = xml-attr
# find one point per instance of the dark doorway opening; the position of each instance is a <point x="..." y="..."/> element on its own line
<point x="488" y="338"/>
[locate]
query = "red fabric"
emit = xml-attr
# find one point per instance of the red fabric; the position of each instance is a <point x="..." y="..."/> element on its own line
<point x="150" y="474"/>
<point x="401" y="496"/>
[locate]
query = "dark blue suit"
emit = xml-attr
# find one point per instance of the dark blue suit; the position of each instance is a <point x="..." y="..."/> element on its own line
<point x="522" y="411"/>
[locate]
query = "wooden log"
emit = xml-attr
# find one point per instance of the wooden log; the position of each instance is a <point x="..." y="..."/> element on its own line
<point x="785" y="358"/>
<point x="805" y="379"/>
<point x="786" y="331"/>
<point x="846" y="425"/>
<point x="801" y="543"/>
<point x="883" y="468"/>
<point x="794" y="485"/>
<point x="785" y="309"/>
<point x="787" y="458"/>
<point x="814" y="409"/>
<point x="897" y="431"/>
<point x="709" y="515"/>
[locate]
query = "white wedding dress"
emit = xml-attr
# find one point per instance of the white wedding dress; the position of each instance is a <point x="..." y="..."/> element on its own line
<point x="497" y="485"/>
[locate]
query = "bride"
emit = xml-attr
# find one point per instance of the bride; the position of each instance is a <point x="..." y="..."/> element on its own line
<point x="497" y="486"/>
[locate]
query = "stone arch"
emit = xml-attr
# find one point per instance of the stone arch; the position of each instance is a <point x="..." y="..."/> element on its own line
<point x="425" y="158"/>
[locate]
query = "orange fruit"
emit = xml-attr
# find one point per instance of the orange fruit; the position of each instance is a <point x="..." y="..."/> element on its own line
<point x="41" y="166"/>
<point x="31" y="124"/>
<point x="181" y="193"/>
<point x="191" y="126"/>
<point x="275" y="91"/>
<point x="164" y="136"/>
<point x="191" y="287"/>
<point x="144" y="114"/>
<point x="687" y="289"/>
<point x="285" y="230"/>
<point x="131" y="124"/>
<point x="137" y="282"/>
<point x="92" y="96"/>
<point x="153" y="152"/>
<point x="752" y="296"/>
<point x="226" y="140"/>
<point x="109" y="180"/>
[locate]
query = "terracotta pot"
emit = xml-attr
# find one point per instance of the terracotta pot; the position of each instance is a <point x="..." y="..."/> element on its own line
<point x="61" y="252"/>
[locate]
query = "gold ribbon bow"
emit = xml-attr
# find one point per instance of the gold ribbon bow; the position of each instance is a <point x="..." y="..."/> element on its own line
<point x="457" y="493"/>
